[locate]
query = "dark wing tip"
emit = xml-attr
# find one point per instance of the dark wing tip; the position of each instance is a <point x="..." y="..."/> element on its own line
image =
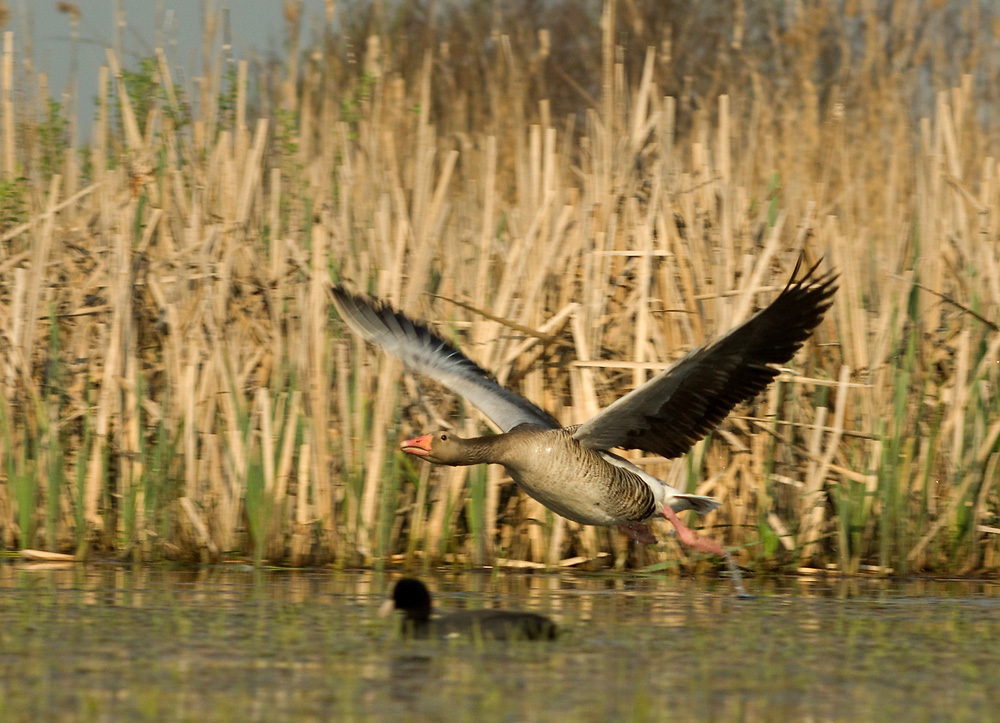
<point x="796" y="312"/>
<point x="736" y="366"/>
<point x="353" y="305"/>
<point x="819" y="287"/>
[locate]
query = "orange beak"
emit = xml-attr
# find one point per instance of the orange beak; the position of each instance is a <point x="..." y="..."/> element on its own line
<point x="419" y="446"/>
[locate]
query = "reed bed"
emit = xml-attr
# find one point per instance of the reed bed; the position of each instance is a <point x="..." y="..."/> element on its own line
<point x="176" y="384"/>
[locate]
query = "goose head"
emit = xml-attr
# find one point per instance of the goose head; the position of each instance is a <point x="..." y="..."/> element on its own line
<point x="440" y="448"/>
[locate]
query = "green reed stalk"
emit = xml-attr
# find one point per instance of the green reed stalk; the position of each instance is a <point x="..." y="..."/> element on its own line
<point x="929" y="469"/>
<point x="53" y="407"/>
<point x="18" y="478"/>
<point x="80" y="474"/>
<point x="418" y="475"/>
<point x="476" y="511"/>
<point x="389" y="498"/>
<point x="843" y="499"/>
<point x="893" y="516"/>
<point x="769" y="538"/>
<point x="133" y="488"/>
<point x="258" y="506"/>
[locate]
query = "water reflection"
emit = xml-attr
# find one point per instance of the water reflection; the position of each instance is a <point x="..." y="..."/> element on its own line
<point x="410" y="676"/>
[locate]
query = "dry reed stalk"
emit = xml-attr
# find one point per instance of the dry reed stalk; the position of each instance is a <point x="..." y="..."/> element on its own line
<point x="819" y="467"/>
<point x="301" y="531"/>
<point x="557" y="539"/>
<point x="643" y="121"/>
<point x="133" y="137"/>
<point x="276" y="267"/>
<point x="784" y="536"/>
<point x="7" y="106"/>
<point x="762" y="459"/>
<point x="541" y="337"/>
<point x="236" y="451"/>
<point x="265" y="428"/>
<point x="960" y="396"/>
<point x="535" y="192"/>
<point x="645" y="244"/>
<point x="447" y="487"/>
<point x="956" y="498"/>
<point x="115" y="344"/>
<point x="482" y="331"/>
<point x="755" y="279"/>
<point x="631" y="214"/>
<point x="534" y="263"/>
<point x="251" y="173"/>
<point x="423" y="152"/>
<point x="358" y="440"/>
<point x="318" y="377"/>
<point x="201" y="529"/>
<point x="534" y="515"/>
<point x="35" y="285"/>
<point x="417" y="535"/>
<point x="980" y="509"/>
<point x="283" y="472"/>
<point x="848" y="257"/>
<point x="384" y="408"/>
<point x="348" y="423"/>
<point x="538" y="532"/>
<point x="726" y="195"/>
<point x="305" y="134"/>
<point x="130" y="446"/>
<point x="167" y="81"/>
<point x="43" y="218"/>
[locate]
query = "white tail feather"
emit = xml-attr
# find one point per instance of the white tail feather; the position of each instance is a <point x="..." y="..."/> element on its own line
<point x="699" y="503"/>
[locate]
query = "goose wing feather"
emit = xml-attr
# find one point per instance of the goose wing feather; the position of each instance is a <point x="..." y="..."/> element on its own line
<point x="424" y="351"/>
<point x="686" y="401"/>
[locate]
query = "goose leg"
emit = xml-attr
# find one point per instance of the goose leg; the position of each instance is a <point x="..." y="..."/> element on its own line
<point x="691" y="538"/>
<point x="639" y="532"/>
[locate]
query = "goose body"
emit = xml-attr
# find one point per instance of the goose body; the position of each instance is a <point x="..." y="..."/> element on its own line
<point x="589" y="486"/>
<point x="571" y="470"/>
<point x="410" y="596"/>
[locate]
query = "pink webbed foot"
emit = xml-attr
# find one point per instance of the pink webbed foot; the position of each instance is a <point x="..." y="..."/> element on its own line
<point x="691" y="538"/>
<point x="639" y="532"/>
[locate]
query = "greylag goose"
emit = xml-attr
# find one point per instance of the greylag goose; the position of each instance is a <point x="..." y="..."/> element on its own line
<point x="411" y="597"/>
<point x="571" y="470"/>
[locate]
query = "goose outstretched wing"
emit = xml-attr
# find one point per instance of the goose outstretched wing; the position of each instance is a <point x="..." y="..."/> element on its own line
<point x="686" y="401"/>
<point x="424" y="351"/>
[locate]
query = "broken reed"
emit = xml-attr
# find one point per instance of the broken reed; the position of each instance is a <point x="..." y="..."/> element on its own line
<point x="176" y="384"/>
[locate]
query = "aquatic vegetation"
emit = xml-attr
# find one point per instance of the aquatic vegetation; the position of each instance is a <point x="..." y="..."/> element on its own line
<point x="221" y="643"/>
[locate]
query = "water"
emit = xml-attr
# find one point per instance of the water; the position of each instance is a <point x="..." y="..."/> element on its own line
<point x="109" y="643"/>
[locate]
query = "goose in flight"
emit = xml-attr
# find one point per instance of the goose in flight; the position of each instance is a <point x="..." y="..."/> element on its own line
<point x="573" y="470"/>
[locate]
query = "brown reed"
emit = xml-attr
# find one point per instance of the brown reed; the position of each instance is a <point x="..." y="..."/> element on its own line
<point x="211" y="405"/>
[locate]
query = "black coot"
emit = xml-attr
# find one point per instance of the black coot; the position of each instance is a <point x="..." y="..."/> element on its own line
<point x="412" y="598"/>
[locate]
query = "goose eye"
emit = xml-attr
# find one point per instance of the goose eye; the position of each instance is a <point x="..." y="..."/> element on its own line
<point x="443" y="437"/>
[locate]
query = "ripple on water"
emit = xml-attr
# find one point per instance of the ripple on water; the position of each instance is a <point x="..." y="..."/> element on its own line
<point x="222" y="643"/>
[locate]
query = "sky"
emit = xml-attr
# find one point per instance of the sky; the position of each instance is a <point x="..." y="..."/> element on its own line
<point x="42" y="34"/>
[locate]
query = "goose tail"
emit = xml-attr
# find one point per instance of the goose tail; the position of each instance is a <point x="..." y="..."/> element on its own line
<point x="699" y="503"/>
